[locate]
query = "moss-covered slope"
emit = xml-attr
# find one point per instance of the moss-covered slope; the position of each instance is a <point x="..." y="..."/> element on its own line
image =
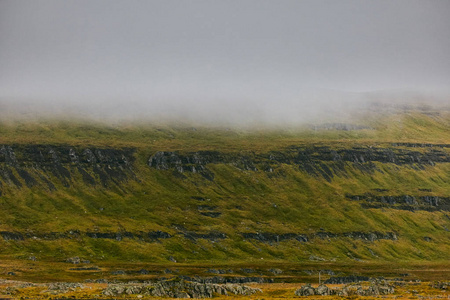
<point x="376" y="190"/>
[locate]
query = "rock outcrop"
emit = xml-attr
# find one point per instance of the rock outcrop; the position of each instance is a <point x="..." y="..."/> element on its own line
<point x="346" y="279"/>
<point x="62" y="287"/>
<point x="150" y="236"/>
<point x="178" y="288"/>
<point x="403" y="202"/>
<point x="318" y="161"/>
<point x="228" y="279"/>
<point x="374" y="289"/>
<point x="355" y="235"/>
<point x="48" y="165"/>
<point x="213" y="236"/>
<point x="441" y="285"/>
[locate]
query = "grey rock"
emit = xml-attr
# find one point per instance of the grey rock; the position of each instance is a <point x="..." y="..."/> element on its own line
<point x="322" y="290"/>
<point x="118" y="272"/>
<point x="346" y="279"/>
<point x="374" y="289"/>
<point x="441" y="285"/>
<point x="275" y="271"/>
<point x="316" y="258"/>
<point x="74" y="260"/>
<point x="305" y="290"/>
<point x="178" y="289"/>
<point x="63" y="287"/>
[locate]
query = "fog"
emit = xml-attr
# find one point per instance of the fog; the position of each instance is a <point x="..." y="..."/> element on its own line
<point x="236" y="62"/>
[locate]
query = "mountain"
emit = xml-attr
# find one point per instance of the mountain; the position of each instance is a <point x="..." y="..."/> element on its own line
<point x="375" y="189"/>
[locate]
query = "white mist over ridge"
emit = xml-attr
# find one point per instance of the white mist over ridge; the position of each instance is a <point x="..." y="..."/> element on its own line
<point x="319" y="106"/>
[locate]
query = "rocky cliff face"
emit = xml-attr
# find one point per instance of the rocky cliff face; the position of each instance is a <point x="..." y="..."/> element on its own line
<point x="213" y="236"/>
<point x="325" y="162"/>
<point x="365" y="236"/>
<point x="151" y="236"/>
<point x="403" y="202"/>
<point x="47" y="165"/>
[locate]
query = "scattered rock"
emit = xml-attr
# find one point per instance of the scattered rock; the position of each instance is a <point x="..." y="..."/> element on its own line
<point x="248" y="270"/>
<point x="178" y="288"/>
<point x="93" y="268"/>
<point x="305" y="290"/>
<point x="74" y="260"/>
<point x="346" y="279"/>
<point x="228" y="279"/>
<point x="375" y="289"/>
<point x="316" y="258"/>
<point x="441" y="285"/>
<point x="118" y="272"/>
<point x="275" y="271"/>
<point x="62" y="287"/>
<point x="322" y="290"/>
<point x="219" y="271"/>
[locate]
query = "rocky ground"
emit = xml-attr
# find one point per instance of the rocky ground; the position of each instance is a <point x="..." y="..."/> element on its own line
<point x="180" y="288"/>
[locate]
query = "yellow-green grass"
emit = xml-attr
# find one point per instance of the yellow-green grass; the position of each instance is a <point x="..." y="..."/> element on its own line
<point x="286" y="201"/>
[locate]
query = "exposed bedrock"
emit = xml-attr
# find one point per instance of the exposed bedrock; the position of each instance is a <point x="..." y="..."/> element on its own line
<point x="228" y="279"/>
<point x="179" y="289"/>
<point x="154" y="236"/>
<point x="365" y="236"/>
<point x="403" y="202"/>
<point x="375" y="289"/>
<point x="150" y="236"/>
<point x="318" y="161"/>
<point x="346" y="279"/>
<point x="48" y="165"/>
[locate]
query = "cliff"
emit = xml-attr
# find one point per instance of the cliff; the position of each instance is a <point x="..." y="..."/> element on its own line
<point x="182" y="195"/>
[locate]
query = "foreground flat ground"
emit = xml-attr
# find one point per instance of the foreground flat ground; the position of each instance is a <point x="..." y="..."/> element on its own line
<point x="34" y="279"/>
<point x="410" y="290"/>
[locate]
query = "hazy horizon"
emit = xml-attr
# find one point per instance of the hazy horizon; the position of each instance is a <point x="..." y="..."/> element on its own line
<point x="221" y="61"/>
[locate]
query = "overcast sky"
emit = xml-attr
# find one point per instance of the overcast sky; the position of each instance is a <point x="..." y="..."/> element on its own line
<point x="212" y="53"/>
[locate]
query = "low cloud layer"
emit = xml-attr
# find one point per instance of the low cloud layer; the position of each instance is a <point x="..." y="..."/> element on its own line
<point x="218" y="61"/>
<point x="314" y="107"/>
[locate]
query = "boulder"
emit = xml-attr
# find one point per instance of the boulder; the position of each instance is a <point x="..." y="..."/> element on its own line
<point x="305" y="290"/>
<point x="322" y="290"/>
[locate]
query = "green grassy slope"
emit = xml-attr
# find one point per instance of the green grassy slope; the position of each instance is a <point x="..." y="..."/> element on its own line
<point x="198" y="212"/>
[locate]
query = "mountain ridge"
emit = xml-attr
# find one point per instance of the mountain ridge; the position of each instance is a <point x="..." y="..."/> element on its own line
<point x="162" y="194"/>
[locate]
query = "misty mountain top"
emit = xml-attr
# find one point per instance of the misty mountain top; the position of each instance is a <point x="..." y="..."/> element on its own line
<point x="313" y="107"/>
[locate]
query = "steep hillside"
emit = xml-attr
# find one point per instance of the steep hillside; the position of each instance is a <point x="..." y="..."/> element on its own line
<point x="374" y="190"/>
